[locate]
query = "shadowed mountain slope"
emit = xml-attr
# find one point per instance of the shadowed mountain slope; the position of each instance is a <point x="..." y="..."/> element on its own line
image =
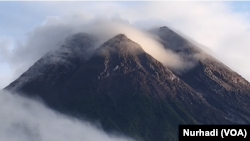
<point x="123" y="88"/>
<point x="220" y="86"/>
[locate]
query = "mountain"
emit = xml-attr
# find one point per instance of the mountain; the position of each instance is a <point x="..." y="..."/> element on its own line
<point x="222" y="88"/>
<point x="129" y="91"/>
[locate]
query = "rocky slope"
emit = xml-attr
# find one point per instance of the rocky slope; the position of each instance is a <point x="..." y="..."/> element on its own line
<point x="127" y="90"/>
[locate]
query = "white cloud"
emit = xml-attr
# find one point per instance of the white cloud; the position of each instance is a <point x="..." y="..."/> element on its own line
<point x="53" y="31"/>
<point x="23" y="119"/>
<point x="6" y="44"/>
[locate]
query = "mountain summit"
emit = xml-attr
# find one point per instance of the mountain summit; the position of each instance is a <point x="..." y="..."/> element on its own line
<point x="126" y="89"/>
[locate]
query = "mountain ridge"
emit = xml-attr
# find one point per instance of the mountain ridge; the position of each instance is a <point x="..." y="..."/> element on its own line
<point x="211" y="75"/>
<point x="129" y="91"/>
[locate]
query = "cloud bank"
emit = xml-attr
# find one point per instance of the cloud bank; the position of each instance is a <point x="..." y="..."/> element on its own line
<point x="23" y="119"/>
<point x="54" y="30"/>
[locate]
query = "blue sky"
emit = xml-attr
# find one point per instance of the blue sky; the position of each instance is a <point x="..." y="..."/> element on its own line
<point x="240" y="6"/>
<point x="18" y="17"/>
<point x="219" y="26"/>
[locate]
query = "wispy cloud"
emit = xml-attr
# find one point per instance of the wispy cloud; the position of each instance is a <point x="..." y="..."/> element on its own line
<point x="23" y="119"/>
<point x="55" y="29"/>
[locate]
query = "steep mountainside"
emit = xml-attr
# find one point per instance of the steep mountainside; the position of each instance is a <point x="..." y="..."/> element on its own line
<point x="219" y="85"/>
<point x="120" y="85"/>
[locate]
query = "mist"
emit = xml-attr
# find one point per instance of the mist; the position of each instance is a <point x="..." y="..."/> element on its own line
<point x="24" y="119"/>
<point x="51" y="34"/>
<point x="105" y="29"/>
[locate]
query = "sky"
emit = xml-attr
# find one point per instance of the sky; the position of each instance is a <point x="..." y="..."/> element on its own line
<point x="30" y="29"/>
